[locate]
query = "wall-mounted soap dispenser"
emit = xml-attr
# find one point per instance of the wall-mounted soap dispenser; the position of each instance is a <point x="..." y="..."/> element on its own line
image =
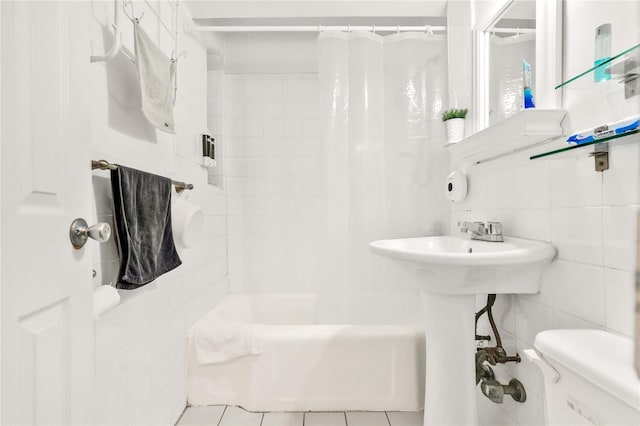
<point x="456" y="187"/>
<point x="602" y="51"/>
<point x="208" y="150"/>
<point x="209" y="159"/>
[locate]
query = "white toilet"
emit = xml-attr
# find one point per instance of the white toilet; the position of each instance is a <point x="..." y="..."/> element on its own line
<point x="589" y="377"/>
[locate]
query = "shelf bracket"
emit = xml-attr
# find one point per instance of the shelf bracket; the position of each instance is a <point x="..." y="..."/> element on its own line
<point x="601" y="156"/>
<point x="631" y="85"/>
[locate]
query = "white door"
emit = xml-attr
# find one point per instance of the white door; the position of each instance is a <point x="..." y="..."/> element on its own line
<point x="47" y="326"/>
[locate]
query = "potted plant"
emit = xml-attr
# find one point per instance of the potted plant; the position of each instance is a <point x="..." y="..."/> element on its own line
<point x="454" y="121"/>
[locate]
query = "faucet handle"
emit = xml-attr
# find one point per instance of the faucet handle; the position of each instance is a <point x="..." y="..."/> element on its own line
<point x="494" y="228"/>
<point x="493" y="390"/>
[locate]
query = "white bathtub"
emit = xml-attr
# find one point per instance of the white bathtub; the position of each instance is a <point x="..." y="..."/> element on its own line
<point x="312" y="367"/>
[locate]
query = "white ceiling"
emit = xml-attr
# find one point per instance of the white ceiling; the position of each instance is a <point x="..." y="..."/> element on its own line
<point x="223" y="10"/>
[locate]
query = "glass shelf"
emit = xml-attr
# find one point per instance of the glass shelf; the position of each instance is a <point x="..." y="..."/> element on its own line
<point x="596" y="142"/>
<point x="618" y="66"/>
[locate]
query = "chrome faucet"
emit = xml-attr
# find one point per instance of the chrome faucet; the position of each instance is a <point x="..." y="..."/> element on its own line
<point x="492" y="231"/>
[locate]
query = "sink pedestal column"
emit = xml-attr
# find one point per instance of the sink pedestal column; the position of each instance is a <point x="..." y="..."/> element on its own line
<point x="450" y="390"/>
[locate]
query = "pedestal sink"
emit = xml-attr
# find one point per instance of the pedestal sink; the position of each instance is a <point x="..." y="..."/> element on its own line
<point x="450" y="271"/>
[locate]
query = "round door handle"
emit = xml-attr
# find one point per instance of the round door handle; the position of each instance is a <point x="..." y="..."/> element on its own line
<point x="100" y="232"/>
<point x="80" y="232"/>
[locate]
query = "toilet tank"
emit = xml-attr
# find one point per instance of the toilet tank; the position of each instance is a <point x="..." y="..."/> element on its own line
<point x="595" y="383"/>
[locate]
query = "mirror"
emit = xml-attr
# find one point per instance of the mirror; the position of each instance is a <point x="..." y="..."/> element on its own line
<point x="521" y="30"/>
<point x="512" y="59"/>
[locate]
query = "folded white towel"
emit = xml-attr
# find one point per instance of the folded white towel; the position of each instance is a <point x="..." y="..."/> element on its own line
<point x="156" y="73"/>
<point x="216" y="339"/>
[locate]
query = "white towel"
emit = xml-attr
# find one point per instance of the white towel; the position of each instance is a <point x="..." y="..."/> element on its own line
<point x="216" y="339"/>
<point x="156" y="73"/>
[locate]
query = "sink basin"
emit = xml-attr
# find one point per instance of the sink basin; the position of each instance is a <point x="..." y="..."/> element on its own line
<point x="458" y="265"/>
<point x="450" y="271"/>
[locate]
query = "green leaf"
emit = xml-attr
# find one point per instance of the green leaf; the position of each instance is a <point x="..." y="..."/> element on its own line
<point x="454" y="113"/>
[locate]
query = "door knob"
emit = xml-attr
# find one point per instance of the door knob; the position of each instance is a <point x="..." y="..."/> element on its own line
<point x="79" y="232"/>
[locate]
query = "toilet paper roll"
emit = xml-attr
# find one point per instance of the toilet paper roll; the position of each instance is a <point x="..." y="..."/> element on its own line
<point x="186" y="221"/>
<point x="104" y="299"/>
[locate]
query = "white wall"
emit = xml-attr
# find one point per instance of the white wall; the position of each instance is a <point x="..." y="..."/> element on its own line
<point x="283" y="53"/>
<point x="272" y="165"/>
<point x="273" y="175"/>
<point x="590" y="217"/>
<point x="140" y="344"/>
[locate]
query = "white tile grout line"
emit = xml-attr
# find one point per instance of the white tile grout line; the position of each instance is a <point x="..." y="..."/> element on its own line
<point x="221" y="417"/>
<point x="182" y="414"/>
<point x="388" y="419"/>
<point x="304" y="416"/>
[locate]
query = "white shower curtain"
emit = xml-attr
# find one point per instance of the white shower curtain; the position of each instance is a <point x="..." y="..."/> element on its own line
<point x="381" y="99"/>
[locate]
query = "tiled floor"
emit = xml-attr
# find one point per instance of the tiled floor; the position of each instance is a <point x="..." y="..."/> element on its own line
<point x="220" y="415"/>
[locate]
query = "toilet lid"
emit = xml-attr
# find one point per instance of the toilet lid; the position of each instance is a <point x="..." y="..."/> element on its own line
<point x="600" y="357"/>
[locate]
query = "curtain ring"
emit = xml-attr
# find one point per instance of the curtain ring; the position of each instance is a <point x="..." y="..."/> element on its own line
<point x="319" y="28"/>
<point x="373" y="29"/>
<point x="518" y="32"/>
<point x="349" y="29"/>
<point x="398" y="29"/>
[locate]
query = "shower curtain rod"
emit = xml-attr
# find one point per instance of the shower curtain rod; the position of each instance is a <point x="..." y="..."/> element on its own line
<point x="320" y="28"/>
<point x="105" y="165"/>
<point x="512" y="30"/>
<point x="346" y="28"/>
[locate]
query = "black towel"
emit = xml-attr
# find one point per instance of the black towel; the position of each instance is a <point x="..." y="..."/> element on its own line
<point x="142" y="206"/>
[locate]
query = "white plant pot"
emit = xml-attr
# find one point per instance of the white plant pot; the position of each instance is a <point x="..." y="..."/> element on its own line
<point x="455" y="130"/>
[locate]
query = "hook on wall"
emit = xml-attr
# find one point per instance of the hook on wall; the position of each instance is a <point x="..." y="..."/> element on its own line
<point x="131" y="16"/>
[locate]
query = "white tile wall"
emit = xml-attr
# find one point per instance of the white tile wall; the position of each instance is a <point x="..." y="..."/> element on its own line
<point x="619" y="297"/>
<point x="618" y="223"/>
<point x="574" y="183"/>
<point x="140" y="343"/>
<point x="214" y="126"/>
<point x="577" y="234"/>
<point x="273" y="169"/>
